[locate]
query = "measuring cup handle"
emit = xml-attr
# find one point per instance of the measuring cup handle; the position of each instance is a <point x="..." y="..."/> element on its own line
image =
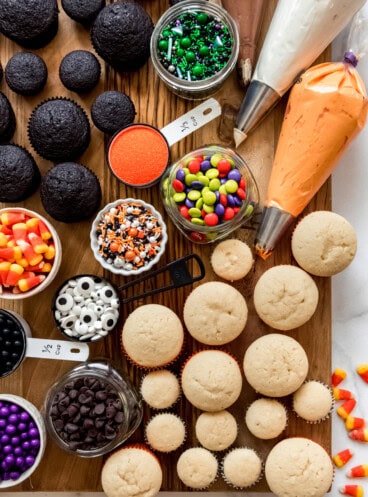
<point x="56" y="349"/>
<point x="179" y="272"/>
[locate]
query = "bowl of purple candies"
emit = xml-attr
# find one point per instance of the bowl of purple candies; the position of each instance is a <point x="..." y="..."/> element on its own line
<point x="22" y="439"/>
<point x="209" y="193"/>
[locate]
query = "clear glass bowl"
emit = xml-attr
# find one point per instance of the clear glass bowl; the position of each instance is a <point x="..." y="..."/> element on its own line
<point x="198" y="89"/>
<point x="209" y="234"/>
<point x="101" y="370"/>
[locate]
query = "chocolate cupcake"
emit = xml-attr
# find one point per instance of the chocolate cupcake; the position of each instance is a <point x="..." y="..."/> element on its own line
<point x="59" y="129"/>
<point x="7" y="119"/>
<point x="80" y="71"/>
<point x="30" y="24"/>
<point x="19" y="173"/>
<point x="1" y="72"/>
<point x="111" y="111"/>
<point x="121" y="35"/>
<point x="26" y="73"/>
<point x="83" y="11"/>
<point x="70" y="192"/>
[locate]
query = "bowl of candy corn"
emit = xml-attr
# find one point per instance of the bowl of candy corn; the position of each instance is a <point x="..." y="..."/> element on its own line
<point x="30" y="253"/>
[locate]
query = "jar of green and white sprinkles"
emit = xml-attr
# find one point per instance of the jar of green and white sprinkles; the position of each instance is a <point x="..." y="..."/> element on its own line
<point x="194" y="48"/>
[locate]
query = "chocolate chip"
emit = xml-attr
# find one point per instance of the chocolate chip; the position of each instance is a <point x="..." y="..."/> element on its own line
<point x="110" y="412"/>
<point x="88" y="423"/>
<point x="101" y="395"/>
<point x="84" y="410"/>
<point x="58" y="424"/>
<point x="77" y="418"/>
<point x="69" y="386"/>
<point x="73" y="394"/>
<point x="99" y="423"/>
<point x="92" y="432"/>
<point x="99" y="409"/>
<point x="85" y="399"/>
<point x="119" y="417"/>
<point x="117" y="404"/>
<point x="71" y="428"/>
<point x="75" y="436"/>
<point x="64" y="402"/>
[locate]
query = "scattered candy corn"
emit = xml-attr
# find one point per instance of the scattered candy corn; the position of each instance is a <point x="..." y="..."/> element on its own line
<point x="361" y="434"/>
<point x="353" y="423"/>
<point x="342" y="457"/>
<point x="345" y="409"/>
<point x="340" y="394"/>
<point x="362" y="371"/>
<point x="358" y="471"/>
<point x="337" y="376"/>
<point x="353" y="490"/>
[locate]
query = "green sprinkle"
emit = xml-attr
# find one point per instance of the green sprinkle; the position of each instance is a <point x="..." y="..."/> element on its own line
<point x="190" y="56"/>
<point x="185" y="42"/>
<point x="163" y="44"/>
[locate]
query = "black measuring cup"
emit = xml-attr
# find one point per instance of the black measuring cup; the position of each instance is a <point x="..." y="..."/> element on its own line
<point x="86" y="307"/>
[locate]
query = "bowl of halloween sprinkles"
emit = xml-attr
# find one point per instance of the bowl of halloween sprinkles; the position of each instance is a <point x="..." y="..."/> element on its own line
<point x="194" y="48"/>
<point x="128" y="236"/>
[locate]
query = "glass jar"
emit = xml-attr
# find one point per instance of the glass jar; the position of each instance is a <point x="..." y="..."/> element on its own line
<point x="194" y="89"/>
<point x="195" y="228"/>
<point x="92" y="409"/>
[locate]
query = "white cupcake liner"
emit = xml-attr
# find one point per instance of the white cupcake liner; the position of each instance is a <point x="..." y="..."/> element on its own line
<point x="324" y="418"/>
<point x="228" y="482"/>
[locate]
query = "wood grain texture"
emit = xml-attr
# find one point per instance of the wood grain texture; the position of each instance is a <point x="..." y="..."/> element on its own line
<point x="155" y="105"/>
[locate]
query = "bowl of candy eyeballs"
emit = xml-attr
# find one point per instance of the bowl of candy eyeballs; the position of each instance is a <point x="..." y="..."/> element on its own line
<point x="22" y="441"/>
<point x="30" y="253"/>
<point x="209" y="193"/>
<point x="128" y="237"/>
<point x="86" y="308"/>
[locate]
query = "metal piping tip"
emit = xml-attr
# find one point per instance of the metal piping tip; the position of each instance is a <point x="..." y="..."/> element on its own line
<point x="258" y="101"/>
<point x="239" y="137"/>
<point x="273" y="225"/>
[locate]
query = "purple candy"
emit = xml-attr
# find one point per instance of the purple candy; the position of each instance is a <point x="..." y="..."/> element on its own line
<point x="15" y="440"/>
<point x="10" y="459"/>
<point x="217" y="193"/>
<point x="4" y="411"/>
<point x="189" y="203"/>
<point x="21" y="426"/>
<point x="180" y="174"/>
<point x="35" y="442"/>
<point x="10" y="429"/>
<point x="33" y="432"/>
<point x="24" y="435"/>
<point x="30" y="460"/>
<point x="18" y="451"/>
<point x="32" y="424"/>
<point x="205" y="165"/>
<point x="230" y="200"/>
<point x="238" y="202"/>
<point x="220" y="209"/>
<point x="4" y="439"/>
<point x="234" y="174"/>
<point x="19" y="461"/>
<point x="5" y="476"/>
<point x="14" y="475"/>
<point x="14" y="408"/>
<point x="13" y="418"/>
<point x="197" y="185"/>
<point x="223" y="180"/>
<point x="7" y="449"/>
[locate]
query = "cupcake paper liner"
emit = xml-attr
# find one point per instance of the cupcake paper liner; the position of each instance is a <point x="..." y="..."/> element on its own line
<point x="204" y="487"/>
<point x="159" y="450"/>
<point x="232" y="484"/>
<point x="178" y="398"/>
<point x="279" y="402"/>
<point x="324" y="418"/>
<point x="225" y="448"/>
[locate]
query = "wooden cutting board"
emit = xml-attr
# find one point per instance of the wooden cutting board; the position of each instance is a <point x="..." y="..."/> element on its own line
<point x="155" y="105"/>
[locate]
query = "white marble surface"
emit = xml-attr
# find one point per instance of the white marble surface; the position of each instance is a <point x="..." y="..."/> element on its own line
<point x="349" y="305"/>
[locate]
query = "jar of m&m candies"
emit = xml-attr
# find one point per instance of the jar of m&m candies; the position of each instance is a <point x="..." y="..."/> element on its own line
<point x="22" y="439"/>
<point x="194" y="48"/>
<point x="209" y="193"/>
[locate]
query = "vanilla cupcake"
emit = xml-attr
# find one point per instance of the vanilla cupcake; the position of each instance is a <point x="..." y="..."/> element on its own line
<point x="266" y="418"/>
<point x="285" y="297"/>
<point x="215" y="313"/>
<point x="313" y="401"/>
<point x="197" y="468"/>
<point x="298" y="466"/>
<point x="211" y="380"/>
<point x="152" y="336"/>
<point x="324" y="243"/>
<point x="160" y="389"/>
<point x="165" y="432"/>
<point x="232" y="259"/>
<point x="241" y="467"/>
<point x="132" y="471"/>
<point x="216" y="430"/>
<point x="275" y="365"/>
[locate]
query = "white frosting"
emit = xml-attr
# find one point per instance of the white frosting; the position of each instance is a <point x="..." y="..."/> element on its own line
<point x="299" y="32"/>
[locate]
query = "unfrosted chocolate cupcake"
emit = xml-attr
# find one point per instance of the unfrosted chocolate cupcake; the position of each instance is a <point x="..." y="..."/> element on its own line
<point x="7" y="119"/>
<point x="70" y="192"/>
<point x="19" y="173"/>
<point x="80" y="71"/>
<point x="83" y="11"/>
<point x="112" y="111"/>
<point x="121" y="35"/>
<point x="31" y="24"/>
<point x="59" y="129"/>
<point x="26" y="73"/>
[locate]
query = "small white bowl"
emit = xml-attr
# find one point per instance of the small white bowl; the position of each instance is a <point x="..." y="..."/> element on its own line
<point x="94" y="241"/>
<point x="55" y="265"/>
<point x="37" y="418"/>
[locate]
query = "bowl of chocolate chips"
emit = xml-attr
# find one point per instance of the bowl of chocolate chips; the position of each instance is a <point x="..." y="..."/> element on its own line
<point x="92" y="409"/>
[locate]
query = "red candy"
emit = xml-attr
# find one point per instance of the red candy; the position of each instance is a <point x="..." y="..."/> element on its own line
<point x="211" y="219"/>
<point x="184" y="211"/>
<point x="223" y="199"/>
<point x="229" y="213"/>
<point x="194" y="166"/>
<point x="223" y="167"/>
<point x="178" y="186"/>
<point x="241" y="194"/>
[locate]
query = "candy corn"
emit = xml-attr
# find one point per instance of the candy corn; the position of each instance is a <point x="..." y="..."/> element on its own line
<point x="342" y="457"/>
<point x="4" y="270"/>
<point x="39" y="246"/>
<point x="353" y="423"/>
<point x="340" y="394"/>
<point x="26" y="284"/>
<point x="10" y="218"/>
<point x="362" y="371"/>
<point x="29" y="253"/>
<point x="14" y="274"/>
<point x="345" y="409"/>
<point x="32" y="225"/>
<point x="50" y="254"/>
<point x="44" y="231"/>
<point x="20" y="231"/>
<point x="361" y="434"/>
<point x="337" y="376"/>
<point x="3" y="240"/>
<point x="358" y="471"/>
<point x="10" y="253"/>
<point x="353" y="490"/>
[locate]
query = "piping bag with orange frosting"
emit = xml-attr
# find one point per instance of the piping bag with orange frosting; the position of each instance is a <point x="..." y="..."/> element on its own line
<point x="326" y="110"/>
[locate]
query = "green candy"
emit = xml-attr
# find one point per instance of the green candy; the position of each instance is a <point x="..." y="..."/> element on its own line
<point x="223" y="190"/>
<point x="214" y="184"/>
<point x="197" y="70"/>
<point x="204" y="50"/>
<point x="194" y="195"/>
<point x="209" y="198"/>
<point x="163" y="44"/>
<point x="249" y="210"/>
<point x="199" y="203"/>
<point x="231" y="186"/>
<point x="180" y="52"/>
<point x="190" y="56"/>
<point x="185" y="42"/>
<point x="186" y="170"/>
<point x="204" y="180"/>
<point x="196" y="220"/>
<point x="205" y="189"/>
<point x="179" y="197"/>
<point x="215" y="159"/>
<point x="212" y="173"/>
<point x="202" y="18"/>
<point x="208" y="208"/>
<point x="189" y="178"/>
<point x="194" y="212"/>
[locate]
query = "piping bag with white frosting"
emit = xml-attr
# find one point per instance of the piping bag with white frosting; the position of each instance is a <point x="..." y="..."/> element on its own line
<point x="326" y="110"/>
<point x="299" y="32"/>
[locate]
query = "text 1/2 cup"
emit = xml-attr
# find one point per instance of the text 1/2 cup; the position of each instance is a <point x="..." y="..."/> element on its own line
<point x="209" y="193"/>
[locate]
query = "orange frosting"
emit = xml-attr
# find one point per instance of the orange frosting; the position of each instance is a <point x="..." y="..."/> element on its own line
<point x="327" y="108"/>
